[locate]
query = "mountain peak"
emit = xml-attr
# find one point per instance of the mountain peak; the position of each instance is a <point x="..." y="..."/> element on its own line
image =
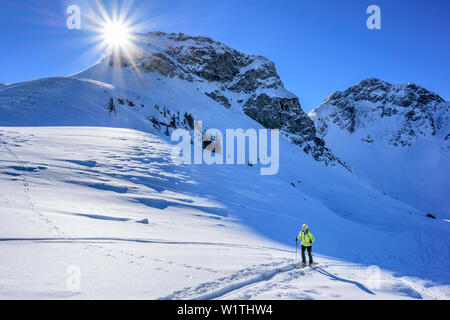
<point x="198" y="58"/>
<point x="179" y="37"/>
<point x="229" y="78"/>
<point x="373" y="107"/>
<point x="379" y="91"/>
<point x="371" y="82"/>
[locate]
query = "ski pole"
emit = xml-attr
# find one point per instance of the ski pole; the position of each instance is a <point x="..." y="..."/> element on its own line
<point x="296" y="251"/>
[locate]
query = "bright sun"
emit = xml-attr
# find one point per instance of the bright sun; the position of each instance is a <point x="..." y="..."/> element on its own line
<point x="116" y="34"/>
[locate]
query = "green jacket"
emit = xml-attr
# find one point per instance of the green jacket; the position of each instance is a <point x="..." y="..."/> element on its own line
<point x="306" y="237"/>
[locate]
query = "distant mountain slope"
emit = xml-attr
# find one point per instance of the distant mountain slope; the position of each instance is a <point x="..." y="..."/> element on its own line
<point x="398" y="136"/>
<point x="65" y="102"/>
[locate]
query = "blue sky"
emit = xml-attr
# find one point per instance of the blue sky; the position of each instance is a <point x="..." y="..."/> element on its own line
<point x="318" y="46"/>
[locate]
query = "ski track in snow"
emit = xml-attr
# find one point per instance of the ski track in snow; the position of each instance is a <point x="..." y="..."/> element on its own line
<point x="280" y="280"/>
<point x="257" y="280"/>
<point x="236" y="281"/>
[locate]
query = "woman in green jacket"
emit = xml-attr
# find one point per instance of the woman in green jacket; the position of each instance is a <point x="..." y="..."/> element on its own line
<point x="307" y="240"/>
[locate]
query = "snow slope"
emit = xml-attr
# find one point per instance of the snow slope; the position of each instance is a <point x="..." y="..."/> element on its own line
<point x="75" y="196"/>
<point x="79" y="178"/>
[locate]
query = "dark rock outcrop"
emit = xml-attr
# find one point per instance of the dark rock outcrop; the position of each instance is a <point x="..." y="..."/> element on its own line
<point x="219" y="98"/>
<point x="286" y="114"/>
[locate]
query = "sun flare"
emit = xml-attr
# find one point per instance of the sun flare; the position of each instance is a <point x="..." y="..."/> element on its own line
<point x="116" y="34"/>
<point x="115" y="29"/>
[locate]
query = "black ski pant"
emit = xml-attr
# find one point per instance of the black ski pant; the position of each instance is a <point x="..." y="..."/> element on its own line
<point x="309" y="253"/>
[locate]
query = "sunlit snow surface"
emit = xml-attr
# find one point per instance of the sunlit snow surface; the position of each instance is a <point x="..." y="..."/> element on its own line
<point x="89" y="189"/>
<point x="78" y="196"/>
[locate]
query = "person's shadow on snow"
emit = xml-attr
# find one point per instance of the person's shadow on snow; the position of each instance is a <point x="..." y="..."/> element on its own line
<point x="333" y="277"/>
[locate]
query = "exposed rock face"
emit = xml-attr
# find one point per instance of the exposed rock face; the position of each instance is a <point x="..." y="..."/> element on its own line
<point x="200" y="58"/>
<point x="216" y="96"/>
<point x="250" y="80"/>
<point x="279" y="113"/>
<point x="407" y="110"/>
<point x="287" y="115"/>
<point x="158" y="63"/>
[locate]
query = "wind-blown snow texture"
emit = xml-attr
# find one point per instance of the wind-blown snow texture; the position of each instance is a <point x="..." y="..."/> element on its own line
<point x="87" y="180"/>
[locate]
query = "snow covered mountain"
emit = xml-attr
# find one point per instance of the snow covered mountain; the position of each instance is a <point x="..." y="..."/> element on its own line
<point x="212" y="73"/>
<point x="396" y="136"/>
<point x="174" y="75"/>
<point x="399" y="114"/>
<point x="87" y="181"/>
